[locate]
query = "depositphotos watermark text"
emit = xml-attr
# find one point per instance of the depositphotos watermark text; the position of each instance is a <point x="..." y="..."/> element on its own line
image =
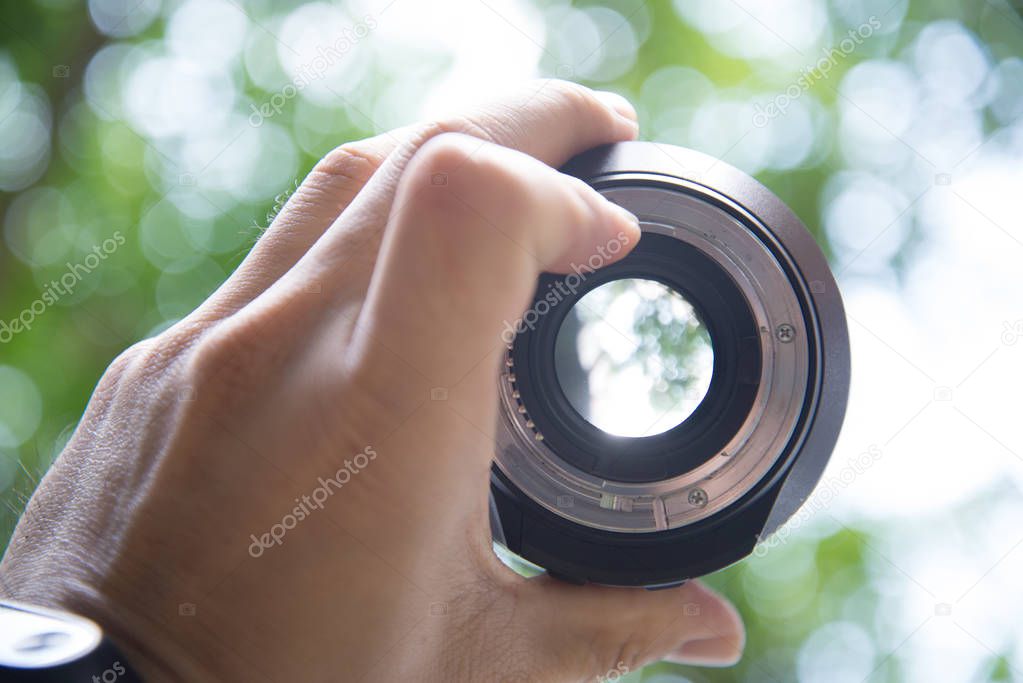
<point x="564" y="287"/>
<point x="315" y="500"/>
<point x="764" y="114"/>
<point x="61" y="287"/>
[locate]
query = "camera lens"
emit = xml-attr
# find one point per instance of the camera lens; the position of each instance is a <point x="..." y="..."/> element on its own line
<point x="633" y="357"/>
<point x="662" y="414"/>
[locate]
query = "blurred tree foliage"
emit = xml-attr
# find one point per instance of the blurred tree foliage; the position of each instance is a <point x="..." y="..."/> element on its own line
<point x="105" y="177"/>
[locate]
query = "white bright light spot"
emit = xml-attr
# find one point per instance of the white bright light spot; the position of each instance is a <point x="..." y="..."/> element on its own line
<point x="40" y="226"/>
<point x="947" y="134"/>
<point x="865" y="221"/>
<point x="252" y="164"/>
<point x="791" y="137"/>
<point x="839" y="652"/>
<point x="724" y="129"/>
<point x="855" y="13"/>
<point x="786" y="29"/>
<point x="878" y="104"/>
<point x="261" y="63"/>
<point x="169" y="96"/>
<point x="615" y="54"/>
<point x="573" y="42"/>
<point x="667" y="101"/>
<point x="24" y="146"/>
<point x="25" y="133"/>
<point x="21" y="407"/>
<point x="930" y="363"/>
<point x="1007" y="103"/>
<point x="166" y="236"/>
<point x="623" y="386"/>
<point x="461" y="51"/>
<point x="122" y="18"/>
<point x="670" y="93"/>
<point x="322" y="50"/>
<point x="210" y="32"/>
<point x="104" y="77"/>
<point x="951" y="64"/>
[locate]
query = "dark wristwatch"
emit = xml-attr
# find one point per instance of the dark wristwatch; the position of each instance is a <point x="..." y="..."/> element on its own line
<point x="41" y="645"/>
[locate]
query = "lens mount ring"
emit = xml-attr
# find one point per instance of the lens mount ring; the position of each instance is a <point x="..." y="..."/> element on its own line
<point x="711" y="223"/>
<point x="583" y="526"/>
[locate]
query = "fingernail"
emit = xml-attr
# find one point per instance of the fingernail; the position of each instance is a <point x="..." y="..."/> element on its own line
<point x="619" y="105"/>
<point x="709" y="652"/>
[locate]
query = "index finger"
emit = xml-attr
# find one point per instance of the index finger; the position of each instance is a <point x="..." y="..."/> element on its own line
<point x="549" y="120"/>
<point x="461" y="259"/>
<point x="345" y="201"/>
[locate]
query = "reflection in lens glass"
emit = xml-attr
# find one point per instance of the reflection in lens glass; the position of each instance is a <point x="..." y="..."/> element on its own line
<point x="633" y="358"/>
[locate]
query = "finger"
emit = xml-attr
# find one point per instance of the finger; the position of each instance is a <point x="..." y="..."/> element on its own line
<point x="462" y="258"/>
<point x="716" y="651"/>
<point x="588" y="630"/>
<point x="548" y="119"/>
<point x="309" y="211"/>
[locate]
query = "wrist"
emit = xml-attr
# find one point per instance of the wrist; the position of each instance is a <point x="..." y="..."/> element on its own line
<point x="135" y="643"/>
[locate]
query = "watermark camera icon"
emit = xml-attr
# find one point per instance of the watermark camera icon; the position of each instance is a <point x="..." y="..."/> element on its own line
<point x="1012" y="332"/>
<point x="564" y="71"/>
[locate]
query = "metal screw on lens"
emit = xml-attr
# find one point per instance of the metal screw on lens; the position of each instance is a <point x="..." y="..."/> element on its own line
<point x="764" y="268"/>
<point x="698" y="498"/>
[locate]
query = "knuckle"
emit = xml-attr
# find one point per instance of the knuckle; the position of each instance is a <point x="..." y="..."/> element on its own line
<point x="226" y="364"/>
<point x="122" y="364"/>
<point x="144" y="360"/>
<point x="478" y="125"/>
<point x="442" y="153"/>
<point x="452" y="174"/>
<point x="479" y="197"/>
<point x="577" y="100"/>
<point x="468" y="125"/>
<point x="122" y="368"/>
<point x="350" y="161"/>
<point x="147" y="367"/>
<point x="343" y="171"/>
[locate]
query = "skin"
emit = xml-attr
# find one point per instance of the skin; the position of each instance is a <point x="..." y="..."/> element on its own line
<point x="389" y="274"/>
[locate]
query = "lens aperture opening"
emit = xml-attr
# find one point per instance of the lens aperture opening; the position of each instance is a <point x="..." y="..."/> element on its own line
<point x="634" y="358"/>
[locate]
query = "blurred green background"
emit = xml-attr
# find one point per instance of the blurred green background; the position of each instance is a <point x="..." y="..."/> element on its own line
<point x="145" y="143"/>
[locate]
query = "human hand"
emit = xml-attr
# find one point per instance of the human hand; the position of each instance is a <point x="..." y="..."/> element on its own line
<point x="200" y="472"/>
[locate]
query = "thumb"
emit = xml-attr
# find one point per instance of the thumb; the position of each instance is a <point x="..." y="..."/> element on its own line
<point x="592" y="631"/>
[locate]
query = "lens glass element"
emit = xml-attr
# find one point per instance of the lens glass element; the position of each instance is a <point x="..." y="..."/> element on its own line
<point x="633" y="357"/>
